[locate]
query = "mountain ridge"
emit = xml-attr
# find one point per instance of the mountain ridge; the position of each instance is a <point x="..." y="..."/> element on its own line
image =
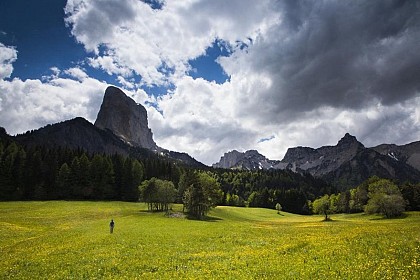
<point x="344" y="165"/>
<point x="408" y="153"/>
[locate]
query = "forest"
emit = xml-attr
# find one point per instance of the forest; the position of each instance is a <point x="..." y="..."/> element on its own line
<point x="55" y="173"/>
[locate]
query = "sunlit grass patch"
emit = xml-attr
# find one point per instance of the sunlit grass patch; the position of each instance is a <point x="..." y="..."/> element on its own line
<point x="63" y="240"/>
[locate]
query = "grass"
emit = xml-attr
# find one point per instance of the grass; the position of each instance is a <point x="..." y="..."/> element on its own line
<point x="71" y="240"/>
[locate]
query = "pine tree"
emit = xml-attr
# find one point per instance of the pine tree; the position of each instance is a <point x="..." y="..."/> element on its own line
<point x="63" y="182"/>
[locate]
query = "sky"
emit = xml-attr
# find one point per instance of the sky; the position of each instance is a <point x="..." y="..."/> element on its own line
<point x="218" y="75"/>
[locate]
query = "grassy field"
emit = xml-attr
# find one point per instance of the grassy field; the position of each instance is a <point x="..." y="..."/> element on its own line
<point x="71" y="240"/>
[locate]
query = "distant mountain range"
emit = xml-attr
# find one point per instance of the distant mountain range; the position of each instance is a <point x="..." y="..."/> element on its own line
<point x="344" y="165"/>
<point x="122" y="127"/>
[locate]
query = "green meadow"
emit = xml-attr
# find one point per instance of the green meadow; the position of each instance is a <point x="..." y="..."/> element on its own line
<point x="71" y="240"/>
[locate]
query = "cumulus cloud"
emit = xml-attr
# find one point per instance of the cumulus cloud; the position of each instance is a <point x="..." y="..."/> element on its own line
<point x="31" y="104"/>
<point x="77" y="73"/>
<point x="157" y="44"/>
<point x="198" y="117"/>
<point x="8" y="55"/>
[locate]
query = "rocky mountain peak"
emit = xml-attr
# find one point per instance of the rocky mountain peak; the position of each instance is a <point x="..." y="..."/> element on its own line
<point x="229" y="159"/>
<point x="349" y="140"/>
<point x="249" y="160"/>
<point x="125" y="118"/>
<point x="252" y="153"/>
<point x="297" y="153"/>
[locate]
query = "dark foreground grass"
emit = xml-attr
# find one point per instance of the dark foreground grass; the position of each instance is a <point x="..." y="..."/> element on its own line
<point x="71" y="240"/>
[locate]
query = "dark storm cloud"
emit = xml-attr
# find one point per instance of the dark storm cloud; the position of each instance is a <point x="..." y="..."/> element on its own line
<point x="343" y="54"/>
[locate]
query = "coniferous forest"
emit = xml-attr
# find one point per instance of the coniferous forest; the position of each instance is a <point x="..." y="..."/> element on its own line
<point x="56" y="173"/>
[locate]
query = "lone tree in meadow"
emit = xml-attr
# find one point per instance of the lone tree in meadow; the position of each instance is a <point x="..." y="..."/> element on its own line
<point x="201" y="193"/>
<point x="323" y="206"/>
<point x="278" y="208"/>
<point x="385" y="198"/>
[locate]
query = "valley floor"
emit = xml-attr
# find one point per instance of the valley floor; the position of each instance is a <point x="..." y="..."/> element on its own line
<point x="63" y="240"/>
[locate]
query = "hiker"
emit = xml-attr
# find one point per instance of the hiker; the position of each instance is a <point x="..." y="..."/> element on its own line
<point x="111" y="226"/>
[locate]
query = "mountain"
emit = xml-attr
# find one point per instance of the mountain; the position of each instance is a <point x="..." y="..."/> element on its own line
<point x="126" y="119"/>
<point x="367" y="163"/>
<point x="323" y="160"/>
<point x="315" y="161"/>
<point x="345" y="165"/>
<point x="249" y="160"/>
<point x="409" y="153"/>
<point x="74" y="134"/>
<point x="349" y="163"/>
<point x="121" y="128"/>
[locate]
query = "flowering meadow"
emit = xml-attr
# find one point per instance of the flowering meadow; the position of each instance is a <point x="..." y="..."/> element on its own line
<point x="71" y="240"/>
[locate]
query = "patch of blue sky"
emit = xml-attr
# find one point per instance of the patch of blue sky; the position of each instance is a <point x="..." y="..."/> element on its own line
<point x="154" y="105"/>
<point x="156" y="90"/>
<point x="207" y="67"/>
<point x="155" y="4"/>
<point x="42" y="39"/>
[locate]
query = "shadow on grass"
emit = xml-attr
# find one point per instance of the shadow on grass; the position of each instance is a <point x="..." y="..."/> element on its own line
<point x="204" y="219"/>
<point x="181" y="215"/>
<point x="169" y="213"/>
<point x="377" y="218"/>
<point x="149" y="211"/>
<point x="328" y="220"/>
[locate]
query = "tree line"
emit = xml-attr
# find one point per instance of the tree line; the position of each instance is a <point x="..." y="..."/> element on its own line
<point x="266" y="188"/>
<point x="40" y="173"/>
<point x="374" y="196"/>
<point x="45" y="173"/>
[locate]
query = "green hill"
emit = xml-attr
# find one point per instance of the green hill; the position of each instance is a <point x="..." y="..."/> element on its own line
<point x="63" y="240"/>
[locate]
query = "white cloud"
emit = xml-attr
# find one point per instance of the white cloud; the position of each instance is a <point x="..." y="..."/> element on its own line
<point x="126" y="83"/>
<point x="31" y="104"/>
<point x="76" y="73"/>
<point x="109" y="65"/>
<point x="8" y="55"/>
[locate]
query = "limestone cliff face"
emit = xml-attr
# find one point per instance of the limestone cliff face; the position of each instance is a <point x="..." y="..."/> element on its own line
<point x="249" y="160"/>
<point x="126" y="119"/>
<point x="228" y="160"/>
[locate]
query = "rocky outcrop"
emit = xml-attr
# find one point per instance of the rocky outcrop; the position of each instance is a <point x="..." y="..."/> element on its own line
<point x="249" y="160"/>
<point x="325" y="159"/>
<point x="229" y="160"/>
<point x="126" y="119"/>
